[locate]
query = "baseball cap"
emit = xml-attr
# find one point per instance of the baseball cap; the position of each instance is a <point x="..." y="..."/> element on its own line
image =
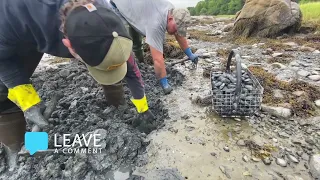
<point x="99" y="37"/>
<point x="182" y="18"/>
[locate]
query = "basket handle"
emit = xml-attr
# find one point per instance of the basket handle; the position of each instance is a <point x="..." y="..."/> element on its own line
<point x="238" y="69"/>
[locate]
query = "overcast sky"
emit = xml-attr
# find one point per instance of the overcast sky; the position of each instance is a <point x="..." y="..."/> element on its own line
<point x="184" y="3"/>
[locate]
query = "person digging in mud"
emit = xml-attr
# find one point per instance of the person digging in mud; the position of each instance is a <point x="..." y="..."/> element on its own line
<point x="89" y="32"/>
<point x="151" y="19"/>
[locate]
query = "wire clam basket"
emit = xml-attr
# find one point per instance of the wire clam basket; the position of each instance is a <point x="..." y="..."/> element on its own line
<point x="235" y="93"/>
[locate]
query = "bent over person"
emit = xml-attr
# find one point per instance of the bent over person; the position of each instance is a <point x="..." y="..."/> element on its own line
<point x="89" y="32"/>
<point x="152" y="19"/>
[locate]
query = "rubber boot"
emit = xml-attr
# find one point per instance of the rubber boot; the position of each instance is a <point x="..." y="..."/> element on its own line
<point x="12" y="130"/>
<point x="114" y="94"/>
<point x="137" y="44"/>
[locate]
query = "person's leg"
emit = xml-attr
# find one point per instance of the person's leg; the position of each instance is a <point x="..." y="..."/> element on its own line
<point x="134" y="79"/>
<point x="137" y="44"/>
<point x="29" y="61"/>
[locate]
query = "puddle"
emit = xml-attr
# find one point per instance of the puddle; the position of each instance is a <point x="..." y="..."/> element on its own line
<point x="122" y="173"/>
<point x="229" y="127"/>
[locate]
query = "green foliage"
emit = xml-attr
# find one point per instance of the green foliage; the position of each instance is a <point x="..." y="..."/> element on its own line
<point x="223" y="7"/>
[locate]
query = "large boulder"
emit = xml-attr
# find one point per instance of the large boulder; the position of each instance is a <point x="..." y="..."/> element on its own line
<point x="267" y="18"/>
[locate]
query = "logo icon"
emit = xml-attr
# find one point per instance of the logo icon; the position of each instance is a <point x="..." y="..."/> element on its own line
<point x="35" y="141"/>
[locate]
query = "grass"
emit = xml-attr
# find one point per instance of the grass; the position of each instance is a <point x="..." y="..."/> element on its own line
<point x="311" y="14"/>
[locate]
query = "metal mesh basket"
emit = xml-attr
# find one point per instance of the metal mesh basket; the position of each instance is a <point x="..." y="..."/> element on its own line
<point x="235" y="94"/>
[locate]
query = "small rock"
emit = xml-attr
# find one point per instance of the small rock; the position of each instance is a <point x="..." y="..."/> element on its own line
<point x="64" y="73"/>
<point x="208" y="60"/>
<point x="315" y="73"/>
<point x="289" y="177"/>
<point x="185" y="117"/>
<point x="294" y="63"/>
<point x="213" y="154"/>
<point x="296" y="141"/>
<point x="281" y="162"/>
<point x="277" y="54"/>
<point x="73" y="104"/>
<point x="275" y="140"/>
<point x="187" y="138"/>
<point x="305" y="157"/>
<point x="224" y="171"/>
<point x="306" y="48"/>
<point x="228" y="27"/>
<point x="299" y="153"/>
<point x="246" y="173"/>
<point x="292" y="158"/>
<point x="303" y="73"/>
<point x="254" y="159"/>
<point x="237" y="119"/>
<point x="317" y="102"/>
<point x="293" y="44"/>
<point x="278" y="65"/>
<point x="226" y="148"/>
<point x="241" y="142"/>
<point x="315" y="165"/>
<point x="283" y="134"/>
<point x="310" y="141"/>
<point x="316" y="52"/>
<point x="245" y="158"/>
<point x="266" y="161"/>
<point x="84" y="89"/>
<point x="314" y="77"/>
<point x="108" y="110"/>
<point x="200" y="51"/>
<point x="299" y="93"/>
<point x="277" y="93"/>
<point x="277" y="111"/>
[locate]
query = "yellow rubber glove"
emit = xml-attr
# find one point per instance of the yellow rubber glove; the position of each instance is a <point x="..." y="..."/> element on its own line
<point x="141" y="104"/>
<point x="24" y="96"/>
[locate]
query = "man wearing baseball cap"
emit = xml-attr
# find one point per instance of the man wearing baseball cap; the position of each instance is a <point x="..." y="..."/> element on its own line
<point x="152" y="19"/>
<point x="82" y="29"/>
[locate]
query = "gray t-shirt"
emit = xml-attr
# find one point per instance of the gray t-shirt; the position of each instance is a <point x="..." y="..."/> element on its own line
<point x="148" y="17"/>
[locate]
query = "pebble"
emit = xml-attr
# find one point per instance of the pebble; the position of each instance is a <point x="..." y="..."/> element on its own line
<point x="290" y="43"/>
<point x="266" y="161"/>
<point x="213" y="154"/>
<point x="275" y="140"/>
<point x="278" y="65"/>
<point x="64" y="73"/>
<point x="277" y="54"/>
<point x="254" y="159"/>
<point x="315" y="73"/>
<point x="245" y="158"/>
<point x="277" y="111"/>
<point x="317" y="102"/>
<point x="246" y="173"/>
<point x="296" y="141"/>
<point x="303" y="73"/>
<point x="224" y="171"/>
<point x="237" y="119"/>
<point x="299" y="153"/>
<point x="292" y="158"/>
<point x="306" y="48"/>
<point x="315" y="165"/>
<point x="299" y="93"/>
<point x="289" y="177"/>
<point x="226" y="148"/>
<point x="305" y="157"/>
<point x="241" y="142"/>
<point x="281" y="162"/>
<point x="314" y="77"/>
<point x="309" y="141"/>
<point x="283" y="134"/>
<point x="316" y="52"/>
<point x="185" y="117"/>
<point x="277" y="93"/>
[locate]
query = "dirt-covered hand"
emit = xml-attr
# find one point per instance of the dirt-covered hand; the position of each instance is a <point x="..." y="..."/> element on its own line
<point x="35" y="116"/>
<point x="145" y="122"/>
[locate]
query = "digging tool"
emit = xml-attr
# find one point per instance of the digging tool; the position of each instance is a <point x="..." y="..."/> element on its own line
<point x="194" y="65"/>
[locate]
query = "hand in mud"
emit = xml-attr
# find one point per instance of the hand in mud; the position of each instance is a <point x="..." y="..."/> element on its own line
<point x="145" y="122"/>
<point x="35" y="116"/>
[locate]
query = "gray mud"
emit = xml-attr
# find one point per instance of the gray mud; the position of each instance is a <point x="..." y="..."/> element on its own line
<point x="84" y="109"/>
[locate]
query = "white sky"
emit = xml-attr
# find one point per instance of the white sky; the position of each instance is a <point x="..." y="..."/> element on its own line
<point x="184" y="3"/>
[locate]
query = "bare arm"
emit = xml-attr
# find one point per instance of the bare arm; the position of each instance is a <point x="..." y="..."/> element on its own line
<point x="182" y="42"/>
<point x="159" y="64"/>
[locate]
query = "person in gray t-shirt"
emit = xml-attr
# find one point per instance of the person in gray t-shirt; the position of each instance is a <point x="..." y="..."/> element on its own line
<point x="152" y="19"/>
